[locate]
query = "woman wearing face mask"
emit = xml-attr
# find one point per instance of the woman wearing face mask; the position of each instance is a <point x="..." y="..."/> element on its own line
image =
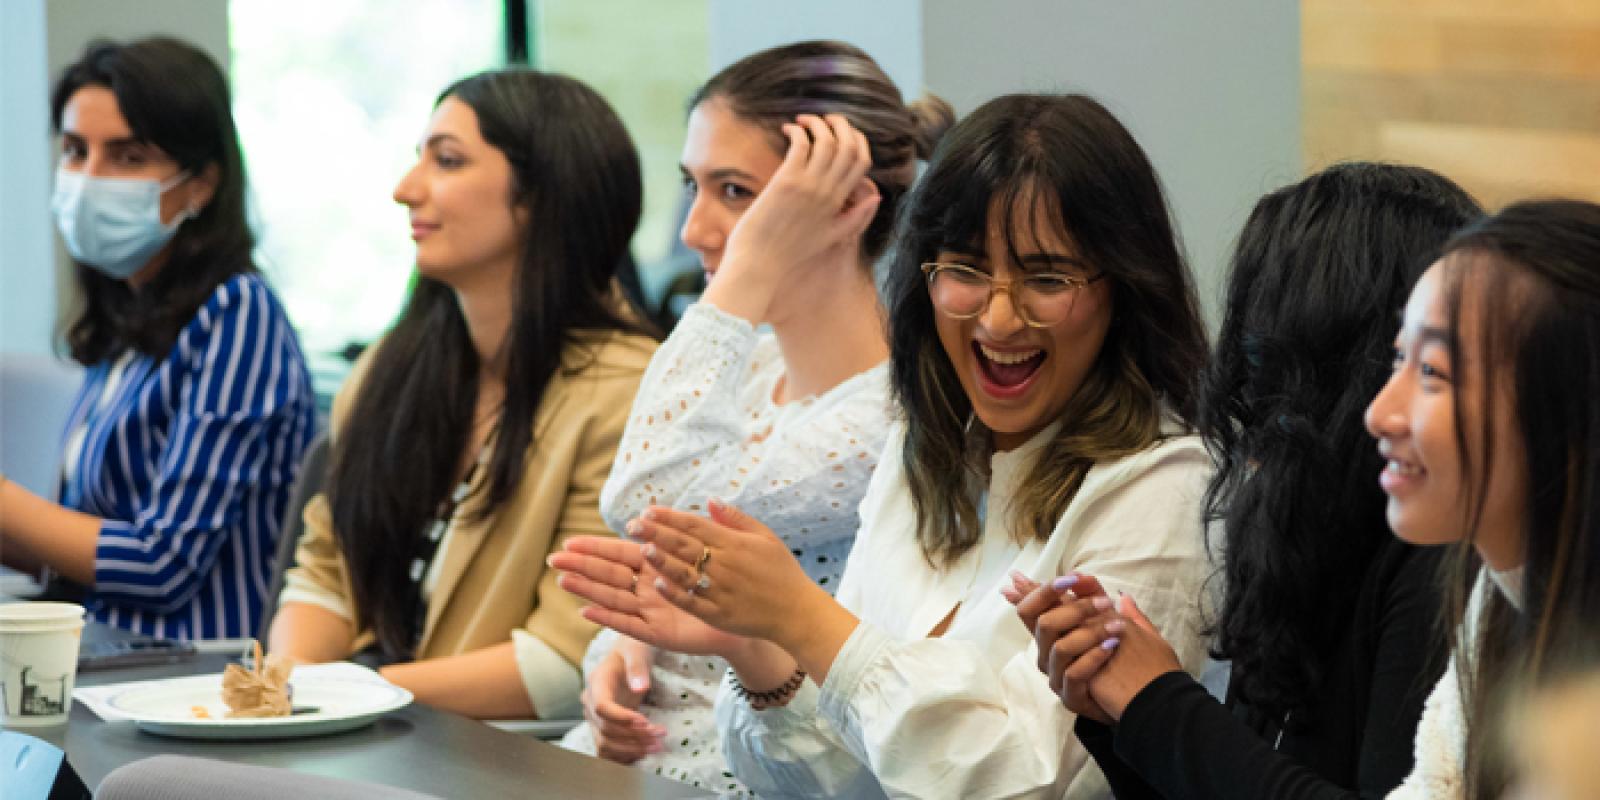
<point x="1325" y="616"/>
<point x="185" y="436"/>
<point x="1044" y="334"/>
<point x="476" y="435"/>
<point x="789" y="423"/>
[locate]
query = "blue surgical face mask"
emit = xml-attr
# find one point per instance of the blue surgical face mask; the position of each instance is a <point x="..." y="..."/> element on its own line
<point x="113" y="224"/>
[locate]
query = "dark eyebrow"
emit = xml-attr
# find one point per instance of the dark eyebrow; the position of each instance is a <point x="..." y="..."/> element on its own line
<point x="439" y="138"/>
<point x="126" y="141"/>
<point x="721" y="173"/>
<point x="1441" y="336"/>
<point x="1050" y="260"/>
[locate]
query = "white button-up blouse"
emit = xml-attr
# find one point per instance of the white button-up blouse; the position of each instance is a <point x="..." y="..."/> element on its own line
<point x="969" y="714"/>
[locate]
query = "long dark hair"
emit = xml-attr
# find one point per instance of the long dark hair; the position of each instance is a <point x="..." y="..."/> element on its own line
<point x="771" y="87"/>
<point x="1532" y="273"/>
<point x="576" y="172"/>
<point x="1317" y="274"/>
<point x="1072" y="156"/>
<point x="174" y="97"/>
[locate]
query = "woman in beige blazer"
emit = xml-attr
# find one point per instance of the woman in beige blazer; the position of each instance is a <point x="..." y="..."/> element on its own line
<point x="474" y="439"/>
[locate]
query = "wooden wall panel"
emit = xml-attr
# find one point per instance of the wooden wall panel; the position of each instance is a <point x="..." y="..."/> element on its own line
<point x="1502" y="95"/>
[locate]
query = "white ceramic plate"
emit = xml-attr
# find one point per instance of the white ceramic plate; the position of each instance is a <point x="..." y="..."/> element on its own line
<point x="167" y="708"/>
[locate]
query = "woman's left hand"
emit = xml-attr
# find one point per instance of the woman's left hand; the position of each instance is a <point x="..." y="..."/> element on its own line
<point x="1122" y="671"/>
<point x="729" y="570"/>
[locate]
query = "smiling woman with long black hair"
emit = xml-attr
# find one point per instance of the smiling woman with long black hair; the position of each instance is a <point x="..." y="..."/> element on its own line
<point x="477" y="434"/>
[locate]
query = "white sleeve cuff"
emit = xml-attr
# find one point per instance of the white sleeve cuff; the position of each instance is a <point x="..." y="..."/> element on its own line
<point x="552" y="683"/>
<point x="297" y="589"/>
<point x="715" y="317"/>
<point x="851" y="663"/>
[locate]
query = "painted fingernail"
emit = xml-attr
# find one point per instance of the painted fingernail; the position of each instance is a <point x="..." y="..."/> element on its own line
<point x="1116" y="626"/>
<point x="1064" y="582"/>
<point x="661" y="585"/>
<point x="633" y="527"/>
<point x="1101" y="602"/>
<point x="1010" y="594"/>
<point x="638" y="685"/>
<point x="649" y="552"/>
<point x="649" y="513"/>
<point x="1110" y="644"/>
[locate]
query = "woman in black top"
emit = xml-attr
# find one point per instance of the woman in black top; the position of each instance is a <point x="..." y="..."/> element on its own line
<point x="1326" y="617"/>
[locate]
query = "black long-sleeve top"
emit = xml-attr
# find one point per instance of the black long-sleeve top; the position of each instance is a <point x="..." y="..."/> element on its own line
<point x="1176" y="741"/>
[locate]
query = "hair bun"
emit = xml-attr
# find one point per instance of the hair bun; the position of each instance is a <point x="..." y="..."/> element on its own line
<point x="932" y="116"/>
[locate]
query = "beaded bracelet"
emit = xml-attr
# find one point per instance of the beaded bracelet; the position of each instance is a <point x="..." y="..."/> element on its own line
<point x="772" y="697"/>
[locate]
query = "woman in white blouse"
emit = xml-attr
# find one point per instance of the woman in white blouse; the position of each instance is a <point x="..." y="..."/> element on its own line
<point x="1044" y="335"/>
<point x="788" y="424"/>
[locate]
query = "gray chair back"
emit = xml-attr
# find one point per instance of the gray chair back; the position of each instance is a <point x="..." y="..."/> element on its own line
<point x="313" y="473"/>
<point x="170" y="777"/>
<point x="36" y="393"/>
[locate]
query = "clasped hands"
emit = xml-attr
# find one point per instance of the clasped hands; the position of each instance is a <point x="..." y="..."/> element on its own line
<point x="1098" y="651"/>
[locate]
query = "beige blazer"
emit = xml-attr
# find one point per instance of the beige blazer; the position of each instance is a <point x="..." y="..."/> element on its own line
<point x="493" y="578"/>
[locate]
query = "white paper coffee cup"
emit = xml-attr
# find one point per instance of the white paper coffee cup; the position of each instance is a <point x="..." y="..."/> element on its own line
<point x="38" y="662"/>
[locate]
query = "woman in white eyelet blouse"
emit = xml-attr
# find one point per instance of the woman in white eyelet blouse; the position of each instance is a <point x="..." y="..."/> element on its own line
<point x="708" y="428"/>
<point x="788" y="424"/>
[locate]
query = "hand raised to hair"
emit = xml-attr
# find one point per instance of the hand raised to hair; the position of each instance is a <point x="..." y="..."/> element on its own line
<point x="817" y="202"/>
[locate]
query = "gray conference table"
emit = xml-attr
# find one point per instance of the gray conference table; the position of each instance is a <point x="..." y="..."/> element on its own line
<point x="417" y="748"/>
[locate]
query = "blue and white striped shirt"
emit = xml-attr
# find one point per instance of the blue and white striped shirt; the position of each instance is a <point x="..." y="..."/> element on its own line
<point x="189" y="460"/>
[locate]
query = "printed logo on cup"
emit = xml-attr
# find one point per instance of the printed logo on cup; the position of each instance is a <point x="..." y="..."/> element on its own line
<point x="38" y="662"/>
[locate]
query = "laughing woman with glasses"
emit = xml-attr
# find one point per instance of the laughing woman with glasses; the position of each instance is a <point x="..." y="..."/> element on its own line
<point x="1043" y="339"/>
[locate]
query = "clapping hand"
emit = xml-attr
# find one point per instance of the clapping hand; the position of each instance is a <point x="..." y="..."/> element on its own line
<point x="614" y="576"/>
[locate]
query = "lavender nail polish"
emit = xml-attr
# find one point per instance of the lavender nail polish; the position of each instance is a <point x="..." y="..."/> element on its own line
<point x="1064" y="582"/>
<point x="1110" y="644"/>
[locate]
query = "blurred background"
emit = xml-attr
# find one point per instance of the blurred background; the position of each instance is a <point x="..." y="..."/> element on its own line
<point x="1231" y="98"/>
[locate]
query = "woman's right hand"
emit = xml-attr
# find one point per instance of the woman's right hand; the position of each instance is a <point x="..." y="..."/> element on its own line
<point x="817" y="201"/>
<point x="613" y="575"/>
<point x="611" y="702"/>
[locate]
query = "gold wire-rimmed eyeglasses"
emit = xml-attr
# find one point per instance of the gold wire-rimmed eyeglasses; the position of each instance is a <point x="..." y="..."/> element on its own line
<point x="1043" y="299"/>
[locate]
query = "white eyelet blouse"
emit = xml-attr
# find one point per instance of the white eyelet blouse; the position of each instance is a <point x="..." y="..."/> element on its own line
<point x="704" y="426"/>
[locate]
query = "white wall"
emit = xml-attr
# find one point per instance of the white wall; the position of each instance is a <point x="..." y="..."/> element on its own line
<point x="39" y="38"/>
<point x="27" y="260"/>
<point x="889" y="30"/>
<point x="1211" y="90"/>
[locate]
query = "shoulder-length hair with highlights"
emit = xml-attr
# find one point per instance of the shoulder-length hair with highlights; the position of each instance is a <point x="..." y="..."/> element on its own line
<point x="1068" y="153"/>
